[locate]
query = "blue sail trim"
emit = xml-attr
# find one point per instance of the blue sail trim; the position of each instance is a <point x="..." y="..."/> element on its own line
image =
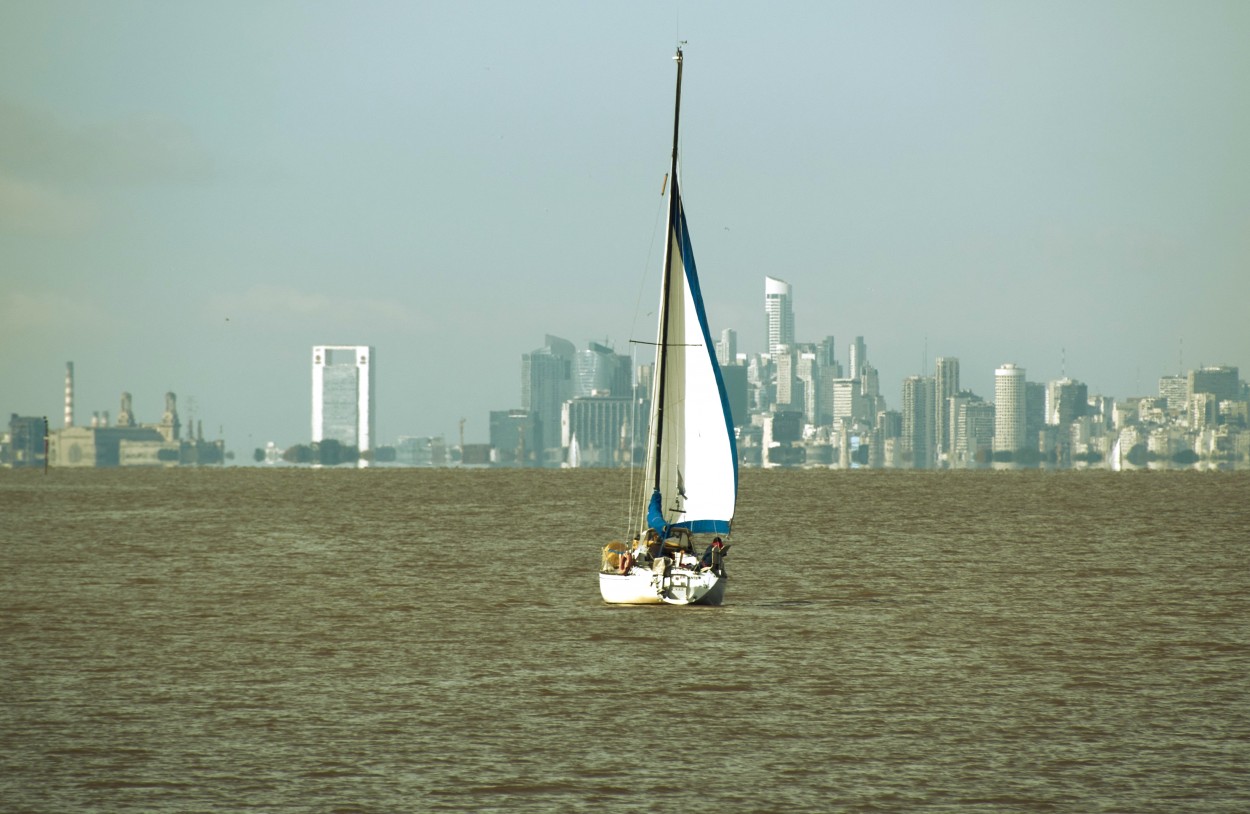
<point x="692" y="281"/>
<point x="655" y="514"/>
<point x="705" y="526"/>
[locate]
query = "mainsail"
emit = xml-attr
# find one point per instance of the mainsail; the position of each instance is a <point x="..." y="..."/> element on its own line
<point x="694" y="456"/>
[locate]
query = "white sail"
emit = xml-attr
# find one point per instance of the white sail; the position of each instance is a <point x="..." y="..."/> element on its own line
<point x="697" y="456"/>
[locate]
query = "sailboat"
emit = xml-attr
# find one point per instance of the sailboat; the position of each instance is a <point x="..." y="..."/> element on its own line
<point x="691" y="471"/>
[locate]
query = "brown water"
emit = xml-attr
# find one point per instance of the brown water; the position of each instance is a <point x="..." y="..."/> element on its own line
<point x="433" y="640"/>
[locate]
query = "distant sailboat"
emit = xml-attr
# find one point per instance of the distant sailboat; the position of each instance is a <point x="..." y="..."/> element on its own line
<point x="692" y="467"/>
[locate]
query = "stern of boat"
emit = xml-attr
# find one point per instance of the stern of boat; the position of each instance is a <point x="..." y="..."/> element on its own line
<point x="638" y="587"/>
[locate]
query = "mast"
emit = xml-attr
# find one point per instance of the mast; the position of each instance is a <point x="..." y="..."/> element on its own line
<point x="668" y="273"/>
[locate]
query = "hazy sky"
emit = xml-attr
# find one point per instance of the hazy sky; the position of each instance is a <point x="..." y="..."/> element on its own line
<point x="194" y="194"/>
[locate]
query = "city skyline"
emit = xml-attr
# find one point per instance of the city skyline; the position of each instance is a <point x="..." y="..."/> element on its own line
<point x="190" y="198"/>
<point x="582" y="374"/>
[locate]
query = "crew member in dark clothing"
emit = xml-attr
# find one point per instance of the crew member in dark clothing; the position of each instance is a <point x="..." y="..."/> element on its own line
<point x="713" y="557"/>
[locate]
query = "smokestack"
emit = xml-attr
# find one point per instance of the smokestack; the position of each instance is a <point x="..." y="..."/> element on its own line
<point x="69" y="394"/>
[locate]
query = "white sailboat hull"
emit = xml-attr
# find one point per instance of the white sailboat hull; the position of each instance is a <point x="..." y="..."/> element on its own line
<point x="635" y="588"/>
<point x="681" y="587"/>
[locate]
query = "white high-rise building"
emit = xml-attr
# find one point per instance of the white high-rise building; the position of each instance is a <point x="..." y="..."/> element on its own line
<point x="783" y="357"/>
<point x="343" y="407"/>
<point x="779" y="308"/>
<point x="1176" y="390"/>
<point x="727" y="348"/>
<point x="1009" y="414"/>
<point x="845" y="400"/>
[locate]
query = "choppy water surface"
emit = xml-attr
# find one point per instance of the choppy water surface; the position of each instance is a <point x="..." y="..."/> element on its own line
<point x="429" y="640"/>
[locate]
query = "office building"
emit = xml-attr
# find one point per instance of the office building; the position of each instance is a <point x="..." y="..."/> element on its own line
<point x="858" y="358"/>
<point x="546" y="383"/>
<point x="946" y="385"/>
<point x="1068" y="400"/>
<point x="845" y="403"/>
<point x="514" y="437"/>
<point x="1176" y="390"/>
<point x="807" y="370"/>
<point x="1009" y="408"/>
<point x="779" y="309"/>
<point x="600" y="430"/>
<point x="974" y="430"/>
<point x="343" y="403"/>
<point x="26" y="441"/>
<point x="1034" y="413"/>
<point x="599" y="371"/>
<point x="918" y="417"/>
<point x="1220" y="382"/>
<point x="788" y="385"/>
<point x="736" y="391"/>
<point x="727" y="348"/>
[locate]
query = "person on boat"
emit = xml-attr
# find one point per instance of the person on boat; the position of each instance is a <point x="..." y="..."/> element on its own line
<point x="641" y="556"/>
<point x="627" y="562"/>
<point x="655" y="545"/>
<point x="713" y="557"/>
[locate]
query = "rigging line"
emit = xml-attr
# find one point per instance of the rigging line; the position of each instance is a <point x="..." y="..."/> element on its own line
<point x="667" y="344"/>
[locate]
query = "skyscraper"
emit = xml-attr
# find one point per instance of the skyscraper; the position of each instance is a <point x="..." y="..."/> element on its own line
<point x="807" y="370"/>
<point x="1009" y="413"/>
<point x="1067" y="400"/>
<point x="727" y="348"/>
<point x="1176" y="390"/>
<point x="1221" y="382"/>
<point x="601" y="427"/>
<point x="783" y="358"/>
<point x="343" y="407"/>
<point x="828" y="357"/>
<point x="779" y="308"/>
<point x="844" y="400"/>
<point x="918" y="417"/>
<point x="974" y="430"/>
<point x="828" y="370"/>
<point x="858" y="358"/>
<point x="946" y="385"/>
<point x="600" y="371"/>
<point x="546" y="383"/>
